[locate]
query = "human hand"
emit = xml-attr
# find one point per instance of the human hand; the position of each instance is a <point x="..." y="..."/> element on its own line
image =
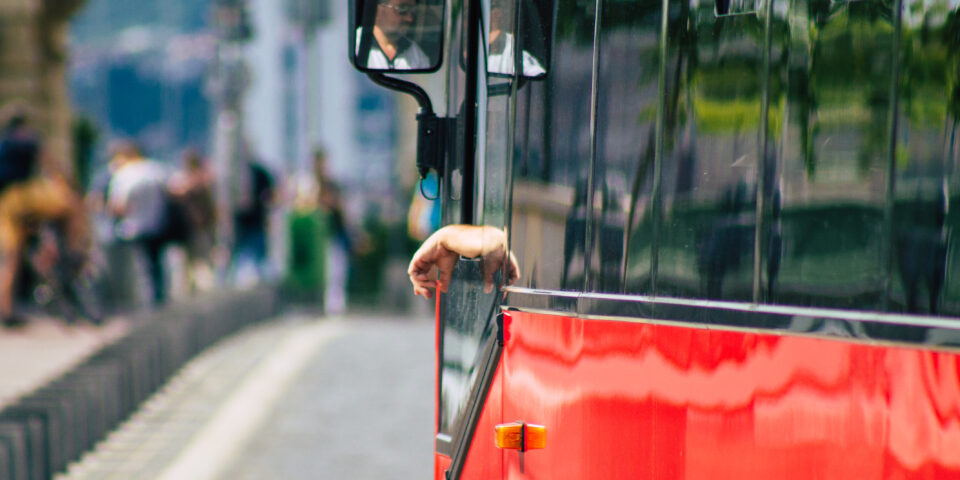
<point x="441" y="251"/>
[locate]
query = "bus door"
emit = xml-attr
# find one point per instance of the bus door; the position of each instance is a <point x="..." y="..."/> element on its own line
<point x="475" y="176"/>
<point x="498" y="60"/>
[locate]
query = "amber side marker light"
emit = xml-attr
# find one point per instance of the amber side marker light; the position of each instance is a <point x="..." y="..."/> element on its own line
<point x="521" y="436"/>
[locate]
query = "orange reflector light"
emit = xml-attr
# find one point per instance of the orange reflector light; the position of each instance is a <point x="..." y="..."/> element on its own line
<point x="536" y="436"/>
<point x="521" y="436"/>
<point x="510" y="435"/>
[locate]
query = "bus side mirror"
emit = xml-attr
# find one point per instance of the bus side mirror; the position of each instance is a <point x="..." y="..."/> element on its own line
<point x="398" y="36"/>
<point x="519" y="36"/>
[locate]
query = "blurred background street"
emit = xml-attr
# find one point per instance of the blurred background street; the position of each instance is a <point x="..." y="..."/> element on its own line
<point x="206" y="216"/>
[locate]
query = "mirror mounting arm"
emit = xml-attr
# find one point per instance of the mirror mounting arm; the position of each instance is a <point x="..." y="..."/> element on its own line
<point x="404" y="86"/>
<point x="430" y="127"/>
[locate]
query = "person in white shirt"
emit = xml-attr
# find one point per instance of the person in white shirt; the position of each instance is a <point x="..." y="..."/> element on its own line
<point x="137" y="199"/>
<point x="500" y="59"/>
<point x="392" y="49"/>
<point x="500" y="51"/>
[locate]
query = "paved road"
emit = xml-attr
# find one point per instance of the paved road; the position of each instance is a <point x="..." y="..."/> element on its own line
<point x="289" y="399"/>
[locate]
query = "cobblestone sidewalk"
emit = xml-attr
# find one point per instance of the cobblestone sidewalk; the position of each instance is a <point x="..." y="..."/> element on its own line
<point x="46" y="347"/>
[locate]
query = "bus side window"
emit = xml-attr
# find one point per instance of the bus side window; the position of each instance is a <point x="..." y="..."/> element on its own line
<point x="551" y="159"/>
<point x="622" y="226"/>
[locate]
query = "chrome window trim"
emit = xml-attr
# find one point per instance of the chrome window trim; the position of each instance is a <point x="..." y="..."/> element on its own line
<point x="712" y="314"/>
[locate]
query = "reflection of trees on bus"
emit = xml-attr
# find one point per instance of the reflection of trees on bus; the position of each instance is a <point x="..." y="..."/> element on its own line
<point x="574" y="236"/>
<point x="857" y="137"/>
<point x="723" y="243"/>
<point x="829" y="124"/>
<point x="608" y="229"/>
<point x="922" y="251"/>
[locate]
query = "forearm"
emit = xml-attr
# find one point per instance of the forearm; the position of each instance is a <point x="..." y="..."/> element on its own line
<point x="471" y="241"/>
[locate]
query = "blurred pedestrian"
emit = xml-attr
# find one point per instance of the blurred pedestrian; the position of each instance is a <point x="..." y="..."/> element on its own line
<point x="250" y="225"/>
<point x="29" y="201"/>
<point x="338" y="244"/>
<point x="137" y="199"/>
<point x="307" y="253"/>
<point x="191" y="188"/>
<point x="423" y="217"/>
<point x="19" y="147"/>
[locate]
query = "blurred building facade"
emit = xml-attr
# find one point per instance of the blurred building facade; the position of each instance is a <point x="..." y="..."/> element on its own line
<point x="304" y="93"/>
<point x="157" y="71"/>
<point x="262" y="80"/>
<point x="140" y="70"/>
<point x="33" y="58"/>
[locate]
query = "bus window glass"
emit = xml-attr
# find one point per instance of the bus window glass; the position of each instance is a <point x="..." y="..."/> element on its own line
<point x="467" y="313"/>
<point x="625" y="146"/>
<point x="552" y="159"/>
<point x="926" y="216"/>
<point x="495" y="92"/>
<point x="825" y="239"/>
<point x="711" y="127"/>
<point x="526" y="20"/>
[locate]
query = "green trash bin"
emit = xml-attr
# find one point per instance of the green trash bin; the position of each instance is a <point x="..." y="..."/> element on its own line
<point x="306" y="269"/>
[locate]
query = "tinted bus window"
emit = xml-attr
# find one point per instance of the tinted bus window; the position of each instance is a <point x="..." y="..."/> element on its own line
<point x="552" y="160"/>
<point x="625" y="146"/>
<point x="925" y="215"/>
<point x="712" y="123"/>
<point x="827" y="237"/>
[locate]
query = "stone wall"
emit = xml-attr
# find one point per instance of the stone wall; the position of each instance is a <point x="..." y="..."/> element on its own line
<point x="33" y="64"/>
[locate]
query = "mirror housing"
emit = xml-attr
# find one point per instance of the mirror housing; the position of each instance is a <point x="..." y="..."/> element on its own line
<point x="396" y="36"/>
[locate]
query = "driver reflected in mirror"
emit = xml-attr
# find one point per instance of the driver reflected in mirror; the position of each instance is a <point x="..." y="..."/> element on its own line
<point x="433" y="263"/>
<point x="500" y="58"/>
<point x="392" y="48"/>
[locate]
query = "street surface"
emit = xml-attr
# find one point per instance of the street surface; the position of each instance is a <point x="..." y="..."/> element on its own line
<point x="297" y="397"/>
<point x="45" y="348"/>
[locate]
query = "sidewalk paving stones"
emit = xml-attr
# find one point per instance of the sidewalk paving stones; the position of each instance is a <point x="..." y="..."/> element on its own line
<point x="64" y="387"/>
<point x="45" y="348"/>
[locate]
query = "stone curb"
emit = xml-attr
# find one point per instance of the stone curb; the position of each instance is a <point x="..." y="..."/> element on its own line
<point x="42" y="432"/>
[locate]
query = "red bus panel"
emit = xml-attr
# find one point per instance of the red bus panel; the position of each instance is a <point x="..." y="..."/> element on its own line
<point x="628" y="400"/>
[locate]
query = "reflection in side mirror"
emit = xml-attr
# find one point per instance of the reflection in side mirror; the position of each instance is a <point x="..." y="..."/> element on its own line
<point x="500" y="60"/>
<point x="397" y="35"/>
<point x="534" y="19"/>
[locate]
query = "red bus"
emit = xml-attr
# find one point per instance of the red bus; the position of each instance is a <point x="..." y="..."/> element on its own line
<point x="735" y="225"/>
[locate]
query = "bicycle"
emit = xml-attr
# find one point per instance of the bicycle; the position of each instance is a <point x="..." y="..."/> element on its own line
<point x="62" y="280"/>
